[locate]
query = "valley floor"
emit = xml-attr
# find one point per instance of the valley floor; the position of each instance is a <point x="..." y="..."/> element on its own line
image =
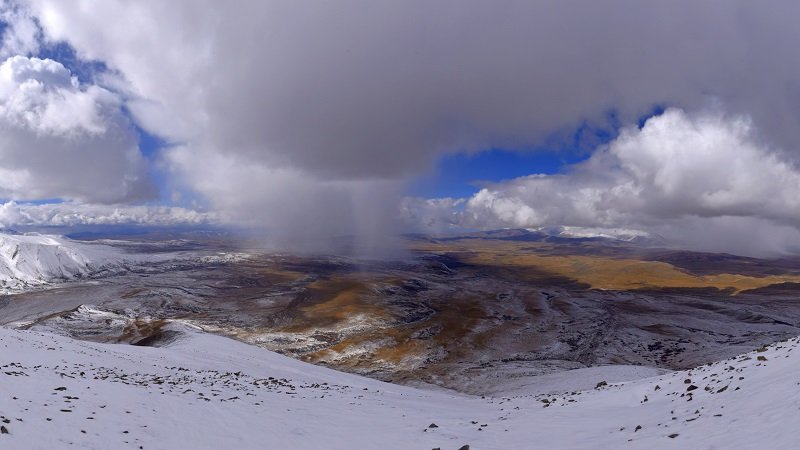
<point x="207" y="391"/>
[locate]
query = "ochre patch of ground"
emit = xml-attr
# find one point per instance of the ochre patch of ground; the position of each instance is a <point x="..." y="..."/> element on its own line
<point x="455" y="322"/>
<point x="140" y="328"/>
<point x="396" y="345"/>
<point x="597" y="271"/>
<point x="331" y="302"/>
<point x="343" y="300"/>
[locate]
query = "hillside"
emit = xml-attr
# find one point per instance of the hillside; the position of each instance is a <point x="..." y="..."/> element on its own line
<point x="206" y="391"/>
<point x="33" y="260"/>
<point x="458" y="316"/>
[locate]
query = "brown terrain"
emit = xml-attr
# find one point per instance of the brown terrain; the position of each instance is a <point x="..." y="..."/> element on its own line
<point x="462" y="313"/>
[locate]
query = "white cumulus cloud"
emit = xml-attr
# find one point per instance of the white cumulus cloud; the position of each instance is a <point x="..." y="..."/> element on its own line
<point x="62" y="139"/>
<point x="699" y="179"/>
<point x="21" y="34"/>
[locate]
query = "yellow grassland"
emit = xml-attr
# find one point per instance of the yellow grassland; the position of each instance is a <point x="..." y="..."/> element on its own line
<point x="599" y="272"/>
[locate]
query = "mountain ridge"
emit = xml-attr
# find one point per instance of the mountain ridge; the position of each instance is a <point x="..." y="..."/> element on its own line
<point x="31" y="260"/>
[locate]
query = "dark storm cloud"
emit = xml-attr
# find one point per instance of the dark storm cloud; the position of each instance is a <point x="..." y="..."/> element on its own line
<point x="377" y="89"/>
<point x="332" y="92"/>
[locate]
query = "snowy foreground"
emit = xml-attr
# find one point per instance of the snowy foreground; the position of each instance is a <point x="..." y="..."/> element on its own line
<point x="206" y="391"/>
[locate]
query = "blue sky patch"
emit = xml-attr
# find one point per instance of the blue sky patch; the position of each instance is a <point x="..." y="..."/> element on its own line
<point x="461" y="174"/>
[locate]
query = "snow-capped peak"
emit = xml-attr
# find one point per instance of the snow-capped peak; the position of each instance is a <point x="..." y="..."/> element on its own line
<point x="622" y="234"/>
<point x="35" y="259"/>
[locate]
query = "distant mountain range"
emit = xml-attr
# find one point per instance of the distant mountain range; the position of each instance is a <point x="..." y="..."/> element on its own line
<point x="558" y="235"/>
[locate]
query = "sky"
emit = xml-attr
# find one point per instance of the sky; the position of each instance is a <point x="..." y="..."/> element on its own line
<point x="307" y="120"/>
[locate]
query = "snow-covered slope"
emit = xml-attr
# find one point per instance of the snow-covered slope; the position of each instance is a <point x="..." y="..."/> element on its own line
<point x="35" y="259"/>
<point x="206" y="391"/>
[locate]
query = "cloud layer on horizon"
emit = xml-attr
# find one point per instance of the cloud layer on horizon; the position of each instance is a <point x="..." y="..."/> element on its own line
<point x="13" y="214"/>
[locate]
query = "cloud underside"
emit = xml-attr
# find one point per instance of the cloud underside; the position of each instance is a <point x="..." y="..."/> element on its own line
<point x="340" y="91"/>
<point x="308" y="119"/>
